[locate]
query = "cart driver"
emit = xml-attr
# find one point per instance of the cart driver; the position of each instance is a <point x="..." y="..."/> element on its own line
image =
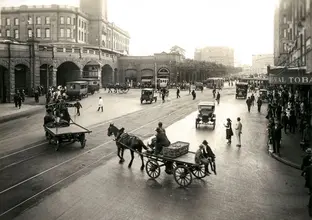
<point x="161" y="141"/>
<point x="48" y="118"/>
<point x="160" y="126"/>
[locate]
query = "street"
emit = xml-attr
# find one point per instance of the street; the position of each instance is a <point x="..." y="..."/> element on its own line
<point x="90" y="183"/>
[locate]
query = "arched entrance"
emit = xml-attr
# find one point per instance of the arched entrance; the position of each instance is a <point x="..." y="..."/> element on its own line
<point x="22" y="78"/>
<point x="4" y="82"/>
<point x="107" y="75"/>
<point x="116" y="78"/>
<point x="91" y="70"/>
<point x="131" y="77"/>
<point x="46" y="75"/>
<point x="66" y="72"/>
<point x="163" y="73"/>
<point x="147" y="77"/>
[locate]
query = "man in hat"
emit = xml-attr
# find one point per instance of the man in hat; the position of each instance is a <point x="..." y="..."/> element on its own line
<point x="161" y="141"/>
<point x="201" y="159"/>
<point x="208" y="154"/>
<point x="238" y="129"/>
<point x="306" y="161"/>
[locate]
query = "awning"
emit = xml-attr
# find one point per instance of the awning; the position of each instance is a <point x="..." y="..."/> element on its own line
<point x="291" y="76"/>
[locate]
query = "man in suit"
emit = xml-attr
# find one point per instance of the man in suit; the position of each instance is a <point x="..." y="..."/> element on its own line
<point x="238" y="129"/>
<point x="207" y="152"/>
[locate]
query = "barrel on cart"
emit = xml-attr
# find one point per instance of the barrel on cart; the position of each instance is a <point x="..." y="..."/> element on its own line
<point x="68" y="134"/>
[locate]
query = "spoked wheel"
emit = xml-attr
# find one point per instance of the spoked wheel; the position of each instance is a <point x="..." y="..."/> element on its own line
<point x="83" y="141"/>
<point x="152" y="169"/>
<point x="199" y="171"/>
<point x="182" y="175"/>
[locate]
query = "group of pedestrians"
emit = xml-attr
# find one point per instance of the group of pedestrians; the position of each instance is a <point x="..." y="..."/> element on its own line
<point x="229" y="131"/>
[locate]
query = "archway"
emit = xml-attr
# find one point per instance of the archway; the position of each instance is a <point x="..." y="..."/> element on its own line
<point x="66" y="72"/>
<point x="131" y="77"/>
<point x="22" y="78"/>
<point x="45" y="75"/>
<point x="91" y="70"/>
<point x="116" y="78"/>
<point x="107" y="75"/>
<point x="4" y="81"/>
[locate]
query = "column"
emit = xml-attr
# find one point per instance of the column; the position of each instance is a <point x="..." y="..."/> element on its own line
<point x="11" y="88"/>
<point x="53" y="77"/>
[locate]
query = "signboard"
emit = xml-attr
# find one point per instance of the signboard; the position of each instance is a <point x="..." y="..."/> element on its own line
<point x="289" y="76"/>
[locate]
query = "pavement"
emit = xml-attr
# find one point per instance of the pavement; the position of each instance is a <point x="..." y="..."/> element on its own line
<point x="249" y="184"/>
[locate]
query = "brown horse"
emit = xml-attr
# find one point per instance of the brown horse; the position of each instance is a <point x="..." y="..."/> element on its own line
<point x="126" y="141"/>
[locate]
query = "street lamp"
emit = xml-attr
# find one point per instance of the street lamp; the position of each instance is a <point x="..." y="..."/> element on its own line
<point x="155" y="71"/>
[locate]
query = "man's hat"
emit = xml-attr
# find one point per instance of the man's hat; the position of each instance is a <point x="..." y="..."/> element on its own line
<point x="205" y="142"/>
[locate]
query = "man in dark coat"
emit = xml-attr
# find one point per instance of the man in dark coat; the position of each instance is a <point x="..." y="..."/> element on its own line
<point x="292" y="122"/>
<point x="259" y="103"/>
<point x="161" y="141"/>
<point x="248" y="102"/>
<point x="277" y="136"/>
<point x="308" y="184"/>
<point x="306" y="161"/>
<point x="78" y="106"/>
<point x="285" y="122"/>
<point x="208" y="153"/>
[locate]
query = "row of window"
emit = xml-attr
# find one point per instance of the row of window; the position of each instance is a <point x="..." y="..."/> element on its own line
<point x="30" y="33"/>
<point x="82" y="24"/>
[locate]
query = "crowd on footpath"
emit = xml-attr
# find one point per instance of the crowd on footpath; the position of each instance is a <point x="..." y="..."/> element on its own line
<point x="20" y="94"/>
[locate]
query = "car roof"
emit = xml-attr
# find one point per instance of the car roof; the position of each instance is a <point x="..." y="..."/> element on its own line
<point x="77" y="82"/>
<point x="206" y="103"/>
<point x="263" y="90"/>
<point x="241" y="83"/>
<point x="148" y="89"/>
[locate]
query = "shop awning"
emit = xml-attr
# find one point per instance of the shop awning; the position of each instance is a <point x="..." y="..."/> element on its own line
<point x="291" y="76"/>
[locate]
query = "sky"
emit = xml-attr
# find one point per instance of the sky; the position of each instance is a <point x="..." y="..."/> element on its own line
<point x="157" y="25"/>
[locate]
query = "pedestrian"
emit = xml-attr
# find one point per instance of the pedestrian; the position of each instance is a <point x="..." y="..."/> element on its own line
<point x="194" y="94"/>
<point x="259" y="104"/>
<point x="308" y="184"/>
<point x="16" y="99"/>
<point x="229" y="131"/>
<point x="163" y="94"/>
<point x="19" y="101"/>
<point x="208" y="153"/>
<point x="178" y="92"/>
<point x="285" y="122"/>
<point x="100" y="104"/>
<point x="292" y="122"/>
<point x="36" y="96"/>
<point x="248" y="102"/>
<point x="238" y="129"/>
<point x="78" y="106"/>
<point x="277" y="136"/>
<point x="252" y="99"/>
<point x="218" y="98"/>
<point x="306" y="161"/>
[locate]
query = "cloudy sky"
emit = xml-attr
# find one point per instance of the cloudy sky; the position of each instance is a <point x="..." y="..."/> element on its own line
<point x="156" y="25"/>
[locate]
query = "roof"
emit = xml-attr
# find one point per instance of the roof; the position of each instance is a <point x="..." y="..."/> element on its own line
<point x="263" y="90"/>
<point x="87" y="79"/>
<point x="241" y="83"/>
<point x="148" y="89"/>
<point x="206" y="103"/>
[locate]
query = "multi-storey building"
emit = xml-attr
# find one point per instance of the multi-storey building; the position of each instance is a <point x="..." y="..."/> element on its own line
<point x="221" y="55"/>
<point x="261" y="61"/>
<point x="292" y="38"/>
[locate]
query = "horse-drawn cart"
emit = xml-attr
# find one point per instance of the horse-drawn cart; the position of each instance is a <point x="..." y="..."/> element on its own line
<point x="57" y="134"/>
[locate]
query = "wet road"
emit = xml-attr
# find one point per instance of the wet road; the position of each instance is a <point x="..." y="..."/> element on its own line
<point x="28" y="175"/>
<point x="249" y="185"/>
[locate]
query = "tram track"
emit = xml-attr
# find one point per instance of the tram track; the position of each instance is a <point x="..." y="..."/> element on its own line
<point x="75" y="163"/>
<point x="5" y="159"/>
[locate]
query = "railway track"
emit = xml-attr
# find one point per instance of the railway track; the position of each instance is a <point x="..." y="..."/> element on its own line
<point x="56" y="168"/>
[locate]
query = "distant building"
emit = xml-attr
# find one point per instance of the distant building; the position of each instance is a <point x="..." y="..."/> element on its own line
<point x="220" y="55"/>
<point x="260" y="63"/>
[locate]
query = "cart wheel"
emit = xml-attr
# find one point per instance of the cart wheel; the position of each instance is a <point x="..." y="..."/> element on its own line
<point x="152" y="169"/>
<point x="182" y="175"/>
<point x="57" y="144"/>
<point x="199" y="171"/>
<point x="83" y="143"/>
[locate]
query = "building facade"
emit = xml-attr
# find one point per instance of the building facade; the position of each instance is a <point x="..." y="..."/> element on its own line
<point x="292" y="40"/>
<point x="64" y="24"/>
<point x="220" y="55"/>
<point x="260" y="63"/>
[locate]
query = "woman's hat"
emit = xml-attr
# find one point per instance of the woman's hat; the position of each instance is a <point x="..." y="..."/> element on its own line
<point x="228" y="119"/>
<point x="309" y="151"/>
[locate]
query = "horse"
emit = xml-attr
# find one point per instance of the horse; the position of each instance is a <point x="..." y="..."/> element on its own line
<point x="124" y="140"/>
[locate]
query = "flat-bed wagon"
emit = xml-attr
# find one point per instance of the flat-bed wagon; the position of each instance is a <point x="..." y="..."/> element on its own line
<point x="73" y="133"/>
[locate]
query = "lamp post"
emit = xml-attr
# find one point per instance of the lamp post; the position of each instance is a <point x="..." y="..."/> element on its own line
<point x="155" y="71"/>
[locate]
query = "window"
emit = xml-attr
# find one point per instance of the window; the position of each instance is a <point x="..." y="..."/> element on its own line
<point x="47" y="33"/>
<point x="74" y="21"/>
<point x="47" y="20"/>
<point x="285" y="33"/>
<point x="38" y="32"/>
<point x="16" y="21"/>
<point x="8" y="33"/>
<point x="68" y="20"/>
<point x="79" y="35"/>
<point x="16" y="34"/>
<point x="68" y="33"/>
<point x="30" y="21"/>
<point x="79" y="23"/>
<point x="38" y="20"/>
<point x="62" y="20"/>
<point x="29" y="32"/>
<point x="284" y="19"/>
<point x="8" y="21"/>
<point x="61" y="32"/>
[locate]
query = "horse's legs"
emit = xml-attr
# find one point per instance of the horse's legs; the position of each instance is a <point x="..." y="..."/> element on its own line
<point x="132" y="157"/>
<point x="122" y="153"/>
<point x="118" y="154"/>
<point x="142" y="166"/>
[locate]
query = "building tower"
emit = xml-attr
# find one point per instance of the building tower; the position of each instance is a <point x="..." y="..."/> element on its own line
<point x="97" y="10"/>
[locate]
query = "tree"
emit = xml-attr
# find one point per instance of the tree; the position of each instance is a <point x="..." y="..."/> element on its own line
<point x="177" y="49"/>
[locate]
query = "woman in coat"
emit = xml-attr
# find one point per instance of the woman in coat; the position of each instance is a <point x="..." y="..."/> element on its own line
<point x="229" y="131"/>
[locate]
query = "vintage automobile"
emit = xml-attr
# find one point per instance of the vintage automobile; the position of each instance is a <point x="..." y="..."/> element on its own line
<point x="77" y="89"/>
<point x="93" y="84"/>
<point x="241" y="90"/>
<point x="206" y="114"/>
<point x="263" y="94"/>
<point x="148" y="95"/>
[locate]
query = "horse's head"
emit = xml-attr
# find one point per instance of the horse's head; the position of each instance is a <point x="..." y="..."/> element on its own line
<point x="112" y="130"/>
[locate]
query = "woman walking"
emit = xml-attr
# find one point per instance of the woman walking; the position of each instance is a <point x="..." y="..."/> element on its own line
<point x="229" y="131"/>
